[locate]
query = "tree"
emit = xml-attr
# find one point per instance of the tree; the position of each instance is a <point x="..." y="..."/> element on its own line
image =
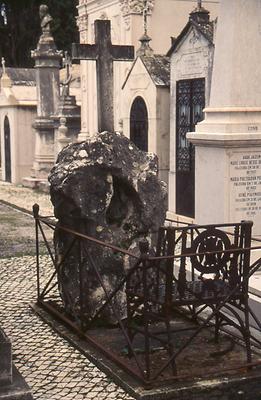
<point x="20" y="28"/>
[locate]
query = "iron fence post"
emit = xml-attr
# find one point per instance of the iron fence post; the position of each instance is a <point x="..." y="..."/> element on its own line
<point x="36" y="216"/>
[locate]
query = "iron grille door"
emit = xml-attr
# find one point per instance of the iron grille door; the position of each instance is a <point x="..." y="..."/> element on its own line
<point x="7" y="141"/>
<point x="189" y="109"/>
<point x="139" y="124"/>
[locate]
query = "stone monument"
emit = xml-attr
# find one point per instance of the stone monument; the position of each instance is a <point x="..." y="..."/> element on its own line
<point x="228" y="141"/>
<point x="105" y="53"/>
<point x="105" y="188"/>
<point x="108" y="189"/>
<point x="12" y="385"/>
<point x="47" y="64"/>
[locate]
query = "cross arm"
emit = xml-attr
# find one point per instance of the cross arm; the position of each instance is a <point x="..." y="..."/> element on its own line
<point x="122" y="53"/>
<point x="84" y="51"/>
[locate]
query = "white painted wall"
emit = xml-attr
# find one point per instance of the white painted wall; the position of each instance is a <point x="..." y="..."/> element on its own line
<point x="139" y="83"/>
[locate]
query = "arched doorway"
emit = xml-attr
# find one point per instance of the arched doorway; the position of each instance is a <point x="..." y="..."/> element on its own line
<point x="139" y="124"/>
<point x="7" y="142"/>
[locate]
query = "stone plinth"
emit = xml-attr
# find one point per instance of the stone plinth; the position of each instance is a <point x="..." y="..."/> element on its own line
<point x="228" y="141"/>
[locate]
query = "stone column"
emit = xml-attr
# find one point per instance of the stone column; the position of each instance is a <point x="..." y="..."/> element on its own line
<point x="47" y="64"/>
<point x="228" y="141"/>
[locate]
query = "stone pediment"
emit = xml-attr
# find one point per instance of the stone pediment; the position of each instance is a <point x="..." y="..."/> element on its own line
<point x="193" y="36"/>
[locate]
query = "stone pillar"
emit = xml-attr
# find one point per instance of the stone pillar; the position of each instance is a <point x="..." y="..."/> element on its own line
<point x="47" y="64"/>
<point x="228" y="141"/>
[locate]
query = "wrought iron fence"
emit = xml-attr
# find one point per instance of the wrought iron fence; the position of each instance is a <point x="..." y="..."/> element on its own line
<point x="150" y="285"/>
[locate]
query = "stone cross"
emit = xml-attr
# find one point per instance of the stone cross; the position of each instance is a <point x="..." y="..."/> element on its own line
<point x="199" y="3"/>
<point x="145" y="17"/>
<point x="104" y="53"/>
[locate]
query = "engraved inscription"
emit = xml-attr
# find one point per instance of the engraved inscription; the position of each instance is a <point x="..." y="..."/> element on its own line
<point x="191" y="64"/>
<point x="253" y="128"/>
<point x="245" y="178"/>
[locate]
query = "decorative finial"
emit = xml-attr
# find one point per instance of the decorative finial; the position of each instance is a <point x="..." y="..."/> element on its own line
<point x="200" y="15"/>
<point x="67" y="62"/>
<point x="3" y="65"/>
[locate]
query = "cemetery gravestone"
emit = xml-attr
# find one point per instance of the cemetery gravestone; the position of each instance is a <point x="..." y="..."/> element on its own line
<point x="5" y="360"/>
<point x="108" y="189"/>
<point x="12" y="384"/>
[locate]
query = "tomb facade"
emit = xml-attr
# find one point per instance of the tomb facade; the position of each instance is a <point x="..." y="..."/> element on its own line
<point x="191" y="60"/>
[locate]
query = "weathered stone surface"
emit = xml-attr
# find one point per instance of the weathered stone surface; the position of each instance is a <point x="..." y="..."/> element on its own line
<point x="5" y="360"/>
<point x="108" y="189"/>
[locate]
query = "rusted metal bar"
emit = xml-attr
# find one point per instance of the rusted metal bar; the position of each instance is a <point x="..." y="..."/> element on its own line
<point x="114" y="309"/>
<point x="114" y="292"/>
<point x="92" y="341"/>
<point x="81" y="287"/>
<point x="144" y="250"/>
<point x="36" y="213"/>
<point x="222" y="303"/>
<point x="45" y="291"/>
<point x="94" y="240"/>
<point x="118" y="249"/>
<point x="148" y="265"/>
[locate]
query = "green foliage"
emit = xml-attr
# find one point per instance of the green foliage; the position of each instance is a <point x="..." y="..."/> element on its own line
<point x="20" y="32"/>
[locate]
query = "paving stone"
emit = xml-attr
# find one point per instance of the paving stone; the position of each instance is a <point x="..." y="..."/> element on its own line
<point x="53" y="369"/>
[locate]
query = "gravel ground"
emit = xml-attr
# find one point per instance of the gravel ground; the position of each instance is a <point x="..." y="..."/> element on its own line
<point x="25" y="198"/>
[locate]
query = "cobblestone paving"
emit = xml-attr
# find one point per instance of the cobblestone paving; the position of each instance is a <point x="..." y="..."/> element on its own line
<point x="53" y="369"/>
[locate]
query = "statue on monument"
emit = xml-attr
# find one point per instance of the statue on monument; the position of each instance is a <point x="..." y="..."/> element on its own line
<point x="46" y="20"/>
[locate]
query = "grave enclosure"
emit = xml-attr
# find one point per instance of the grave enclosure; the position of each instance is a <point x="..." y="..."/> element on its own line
<point x="143" y="342"/>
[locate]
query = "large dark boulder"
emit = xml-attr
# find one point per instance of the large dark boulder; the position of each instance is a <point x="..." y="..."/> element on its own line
<point x="108" y="189"/>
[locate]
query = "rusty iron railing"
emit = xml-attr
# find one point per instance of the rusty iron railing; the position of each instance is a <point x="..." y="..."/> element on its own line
<point x="141" y="282"/>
